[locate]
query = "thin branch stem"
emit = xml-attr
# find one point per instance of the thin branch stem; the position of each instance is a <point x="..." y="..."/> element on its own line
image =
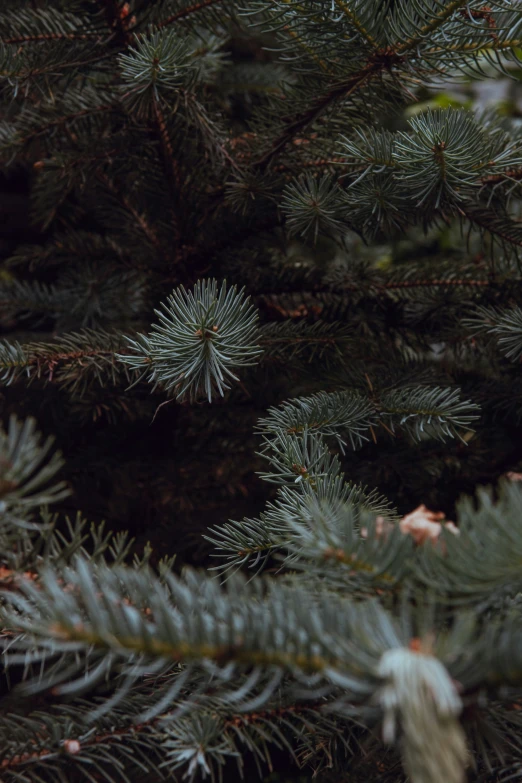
<point x="183" y="652"/>
<point x="188" y="12"/>
<point x="504" y="176"/>
<point x="133" y="729"/>
<point x="171" y="165"/>
<point x="21" y="39"/>
<point x="68" y="118"/>
<point x="429" y="28"/>
<point x="118" y="20"/>
<point x="320" y="105"/>
<point x="481" y="221"/>
<point x="139" y="218"/>
<point x="341" y="4"/>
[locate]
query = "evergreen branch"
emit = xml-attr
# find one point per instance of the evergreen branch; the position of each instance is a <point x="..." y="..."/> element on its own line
<point x="313" y="206"/>
<point x="171" y="165"/>
<point x="47" y="361"/>
<point x="325" y="414"/>
<point x="26" y="468"/>
<point x="369" y="151"/>
<point x="313" y="164"/>
<point x="248" y="158"/>
<point x="118" y="20"/>
<point x="155" y="69"/>
<point x="298" y="339"/>
<point x="37" y="66"/>
<point x="61" y="740"/>
<point x="505" y="324"/>
<point x="308" y="50"/>
<point x="345" y="9"/>
<point x="188" y="11"/>
<point x="478" y="564"/>
<point x="14" y="361"/>
<point x="496" y="223"/>
<point x="444" y="155"/>
<point x="296" y="125"/>
<point x="308" y="639"/>
<point x="376" y="287"/>
<point x="251" y="542"/>
<point x="294" y="458"/>
<point x="478" y="529"/>
<point x="55" y="541"/>
<point x="19" y="297"/>
<point x="73" y="361"/>
<point x="65" y="120"/>
<point x="209" y="736"/>
<point x="29" y="25"/>
<point x="124" y="631"/>
<point x="420" y="411"/>
<point x="428" y="29"/>
<point x="167" y="147"/>
<point x="262" y="716"/>
<point x="513" y="175"/>
<point x="201" y="336"/>
<point x="434" y="412"/>
<point x="350" y="544"/>
<point x="64" y="248"/>
<point x="140" y="219"/>
<point x="51" y="37"/>
<point x="444" y="283"/>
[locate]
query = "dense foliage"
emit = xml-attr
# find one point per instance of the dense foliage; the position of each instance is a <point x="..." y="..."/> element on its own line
<point x="260" y="279"/>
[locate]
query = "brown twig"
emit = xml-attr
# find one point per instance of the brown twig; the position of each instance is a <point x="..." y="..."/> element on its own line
<point x="140" y="219"/>
<point x="69" y="118"/>
<point x="119" y="20"/>
<point x="168" y="151"/>
<point x="72" y="746"/>
<point x="188" y="11"/>
<point x="481" y="221"/>
<point x="299" y="123"/>
<point x="495" y="179"/>
<point x="21" y="39"/>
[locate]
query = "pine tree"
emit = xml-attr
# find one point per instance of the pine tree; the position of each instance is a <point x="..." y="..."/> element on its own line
<point x="261" y="291"/>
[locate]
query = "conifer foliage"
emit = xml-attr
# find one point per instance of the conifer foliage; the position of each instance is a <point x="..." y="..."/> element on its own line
<point x="264" y="299"/>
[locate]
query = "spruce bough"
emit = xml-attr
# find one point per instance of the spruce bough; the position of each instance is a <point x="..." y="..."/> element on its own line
<point x="267" y="299"/>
